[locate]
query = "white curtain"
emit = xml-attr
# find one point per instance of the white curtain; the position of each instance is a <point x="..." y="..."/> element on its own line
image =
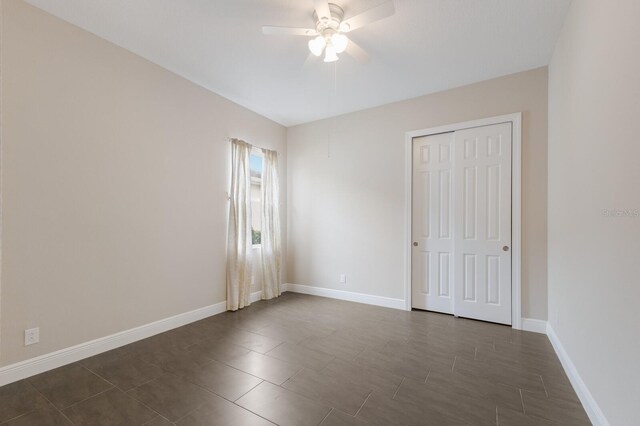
<point x="239" y="236"/>
<point x="270" y="239"/>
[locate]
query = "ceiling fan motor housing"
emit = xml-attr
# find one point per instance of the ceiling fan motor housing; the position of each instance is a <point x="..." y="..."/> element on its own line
<point x="331" y="23"/>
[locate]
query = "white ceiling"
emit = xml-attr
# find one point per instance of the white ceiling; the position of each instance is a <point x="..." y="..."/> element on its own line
<point x="427" y="46"/>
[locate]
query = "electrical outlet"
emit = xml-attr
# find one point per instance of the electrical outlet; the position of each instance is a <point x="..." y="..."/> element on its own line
<point x="343" y="279"/>
<point x="31" y="336"/>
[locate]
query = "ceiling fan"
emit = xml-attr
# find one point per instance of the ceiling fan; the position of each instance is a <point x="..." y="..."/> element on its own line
<point x="329" y="34"/>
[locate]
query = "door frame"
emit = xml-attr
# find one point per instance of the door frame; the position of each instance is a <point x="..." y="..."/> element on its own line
<point x="516" y="203"/>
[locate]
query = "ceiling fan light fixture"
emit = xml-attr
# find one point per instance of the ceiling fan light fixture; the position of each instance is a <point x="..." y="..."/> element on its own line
<point x="317" y="45"/>
<point x="330" y="54"/>
<point x="329" y="35"/>
<point x="340" y="42"/>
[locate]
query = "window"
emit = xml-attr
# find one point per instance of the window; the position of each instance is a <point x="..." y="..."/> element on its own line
<point x="256" y="196"/>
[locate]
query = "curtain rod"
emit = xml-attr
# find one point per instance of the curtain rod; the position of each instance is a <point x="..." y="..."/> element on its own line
<point x="229" y="139"/>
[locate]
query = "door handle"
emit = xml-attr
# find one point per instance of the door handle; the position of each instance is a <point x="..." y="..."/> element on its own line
<point x="505" y="248"/>
<point x="415" y="244"/>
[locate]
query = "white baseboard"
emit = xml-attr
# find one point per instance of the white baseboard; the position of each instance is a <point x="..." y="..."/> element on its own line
<point x="350" y="296"/>
<point x="255" y="296"/>
<point x="534" y="325"/>
<point x="31" y="367"/>
<point x="588" y="402"/>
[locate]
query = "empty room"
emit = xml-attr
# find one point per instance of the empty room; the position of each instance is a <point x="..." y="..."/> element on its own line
<point x="319" y="212"/>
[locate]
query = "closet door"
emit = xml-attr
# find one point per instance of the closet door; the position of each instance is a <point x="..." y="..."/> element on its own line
<point x="432" y="223"/>
<point x="482" y="255"/>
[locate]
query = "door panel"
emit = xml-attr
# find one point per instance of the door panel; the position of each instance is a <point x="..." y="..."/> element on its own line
<point x="482" y="268"/>
<point x="461" y="222"/>
<point x="432" y="223"/>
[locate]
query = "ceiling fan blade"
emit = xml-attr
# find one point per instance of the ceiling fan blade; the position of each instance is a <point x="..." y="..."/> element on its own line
<point x="357" y="52"/>
<point x="322" y="9"/>
<point x="309" y="32"/>
<point x="377" y="13"/>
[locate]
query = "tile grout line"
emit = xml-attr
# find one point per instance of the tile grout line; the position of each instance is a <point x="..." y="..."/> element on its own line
<point x="52" y="404"/>
<point x="425" y="379"/>
<point x="273" y="348"/>
<point x="238" y="398"/>
<point x="398" y="388"/>
<point x="365" y="401"/>
<point x="219" y="396"/>
<point x="242" y="371"/>
<point x="189" y="413"/>
<point x="149" y="408"/>
<point x="252" y="412"/>
<point x="86" y="399"/>
<point x="154" y="419"/>
<point x="31" y="411"/>
<point x="21" y="415"/>
<point x="203" y="388"/>
<point x="192" y="411"/>
<point x="292" y="377"/>
<point x="144" y="383"/>
<point x="544" y="386"/>
<point x="142" y="403"/>
<point x="215" y="395"/>
<point x="325" y="417"/>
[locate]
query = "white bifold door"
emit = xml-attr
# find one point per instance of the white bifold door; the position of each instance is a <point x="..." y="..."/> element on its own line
<point x="461" y="223"/>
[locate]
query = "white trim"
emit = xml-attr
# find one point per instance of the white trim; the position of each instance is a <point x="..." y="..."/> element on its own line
<point x="516" y="204"/>
<point x="30" y="367"/>
<point x="255" y="296"/>
<point x="588" y="401"/>
<point x="408" y="211"/>
<point x="350" y="296"/>
<point x="516" y="221"/>
<point x="534" y="325"/>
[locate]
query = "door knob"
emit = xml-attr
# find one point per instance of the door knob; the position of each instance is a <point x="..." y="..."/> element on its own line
<point x="415" y="244"/>
<point x="505" y="248"/>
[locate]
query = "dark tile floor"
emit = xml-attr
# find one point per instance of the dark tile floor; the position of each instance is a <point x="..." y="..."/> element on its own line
<point x="304" y="360"/>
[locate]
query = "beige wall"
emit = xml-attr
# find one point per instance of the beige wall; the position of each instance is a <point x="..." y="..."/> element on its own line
<point x="115" y="172"/>
<point x="346" y="198"/>
<point x="594" y="165"/>
<point x="1" y="132"/>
